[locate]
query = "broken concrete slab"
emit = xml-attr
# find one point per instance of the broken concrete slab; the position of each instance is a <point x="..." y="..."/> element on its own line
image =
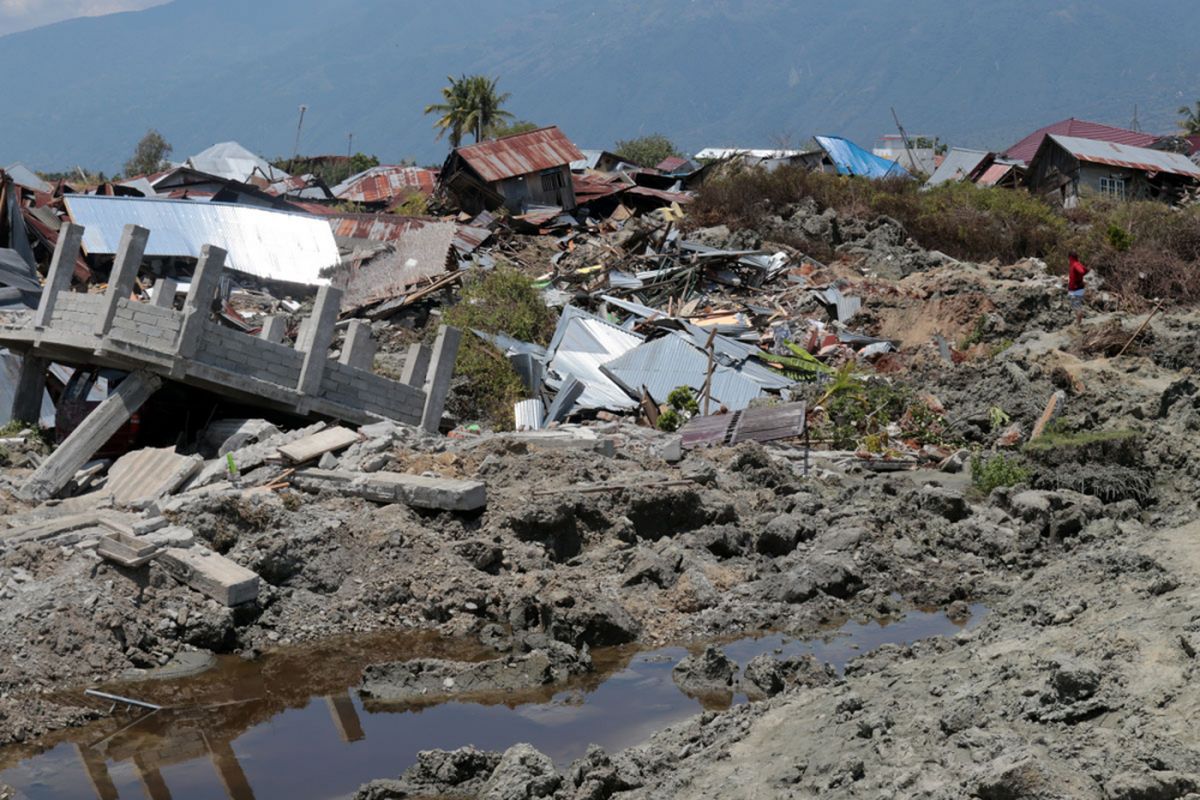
<point x="393" y="487"/>
<point x="312" y="447"/>
<point x="148" y="474"/>
<point x="555" y="439"/>
<point x="174" y="536"/>
<point x="227" y="435"/>
<point x="250" y="456"/>
<point x="99" y="426"/>
<point x="211" y="574"/>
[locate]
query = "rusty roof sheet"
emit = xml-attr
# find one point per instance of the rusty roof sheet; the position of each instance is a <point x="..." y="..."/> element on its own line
<point x="1025" y="149"/>
<point x="1120" y="155"/>
<point x="379" y="227"/>
<point x="520" y="154"/>
<point x="384" y="183"/>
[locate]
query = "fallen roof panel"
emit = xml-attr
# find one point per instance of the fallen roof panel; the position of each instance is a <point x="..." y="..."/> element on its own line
<point x="269" y="244"/>
<point x="850" y="159"/>
<point x="383" y="183"/>
<point x="582" y="343"/>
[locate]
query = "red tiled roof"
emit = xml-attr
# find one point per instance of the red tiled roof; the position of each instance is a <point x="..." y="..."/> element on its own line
<point x="520" y="154"/>
<point x="1025" y="149"/>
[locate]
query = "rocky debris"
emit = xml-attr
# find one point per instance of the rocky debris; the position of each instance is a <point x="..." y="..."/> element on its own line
<point x="523" y="773"/>
<point x="429" y="680"/>
<point x="710" y="672"/>
<point x="461" y="772"/>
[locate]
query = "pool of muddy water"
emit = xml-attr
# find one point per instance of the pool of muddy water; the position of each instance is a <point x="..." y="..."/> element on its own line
<point x="290" y="724"/>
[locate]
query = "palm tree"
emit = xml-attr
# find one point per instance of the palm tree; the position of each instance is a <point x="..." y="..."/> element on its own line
<point x="454" y="110"/>
<point x="471" y="105"/>
<point x="1191" y="119"/>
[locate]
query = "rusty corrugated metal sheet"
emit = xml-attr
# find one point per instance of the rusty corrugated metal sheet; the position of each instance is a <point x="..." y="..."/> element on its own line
<point x="1119" y="155"/>
<point x="378" y="227"/>
<point x="1025" y="149"/>
<point x="385" y="183"/>
<point x="520" y="154"/>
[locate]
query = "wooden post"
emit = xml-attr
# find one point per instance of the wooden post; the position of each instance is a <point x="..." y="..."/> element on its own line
<point x="229" y="770"/>
<point x="124" y="272"/>
<point x="315" y="339"/>
<point x="31" y="388"/>
<point x="711" y="364"/>
<point x="1052" y="408"/>
<point x="1141" y="328"/>
<point x="96" y="429"/>
<point x="97" y="772"/>
<point x="358" y="348"/>
<point x="198" y="304"/>
<point x="152" y="780"/>
<point x="345" y="717"/>
<point x="58" y="277"/>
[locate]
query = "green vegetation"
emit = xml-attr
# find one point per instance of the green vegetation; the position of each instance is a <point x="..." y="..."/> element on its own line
<point x="1143" y="249"/>
<point x="331" y="170"/>
<point x="149" y="156"/>
<point x="647" y="150"/>
<point x="683" y="405"/>
<point x="997" y="470"/>
<point x="1189" y="122"/>
<point x="502" y="301"/>
<point x="860" y="412"/>
<point x="1054" y="438"/>
<point x="472" y="105"/>
<point x="500" y="130"/>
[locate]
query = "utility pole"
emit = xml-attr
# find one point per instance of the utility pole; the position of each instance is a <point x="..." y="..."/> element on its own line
<point x="299" y="125"/>
<point x="1134" y="124"/>
<point x="911" y="161"/>
<point x="349" y="145"/>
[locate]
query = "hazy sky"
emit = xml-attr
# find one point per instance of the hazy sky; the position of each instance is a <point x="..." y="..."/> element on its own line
<point x="19" y="15"/>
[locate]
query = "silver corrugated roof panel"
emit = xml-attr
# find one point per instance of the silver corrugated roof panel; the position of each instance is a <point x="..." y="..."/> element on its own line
<point x="957" y="165"/>
<point x="24" y="176"/>
<point x="581" y="344"/>
<point x="1123" y="155"/>
<point x="232" y="161"/>
<point x="276" y="245"/>
<point x="664" y="364"/>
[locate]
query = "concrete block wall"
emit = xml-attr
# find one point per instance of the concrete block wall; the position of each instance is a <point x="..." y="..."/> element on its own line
<point x="243" y="354"/>
<point x="144" y="325"/>
<point x="76" y="312"/>
<point x="358" y="389"/>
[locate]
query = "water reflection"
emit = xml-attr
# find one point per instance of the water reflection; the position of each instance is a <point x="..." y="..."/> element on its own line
<point x="291" y="726"/>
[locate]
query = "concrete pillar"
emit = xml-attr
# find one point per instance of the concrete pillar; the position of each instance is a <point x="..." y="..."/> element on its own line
<point x="437" y="382"/>
<point x="152" y="780"/>
<point x="229" y="770"/>
<point x="416" y="364"/>
<point x="124" y="272"/>
<point x="198" y="304"/>
<point x="358" y="348"/>
<point x="97" y="772"/>
<point x="315" y="339"/>
<point x="62" y="267"/>
<point x="96" y="429"/>
<point x="164" y="293"/>
<point x="274" y="328"/>
<point x="345" y="717"/>
<point x="31" y="387"/>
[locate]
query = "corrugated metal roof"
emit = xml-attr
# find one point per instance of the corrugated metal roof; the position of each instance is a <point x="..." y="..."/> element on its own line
<point x="1025" y="149"/>
<point x="231" y="160"/>
<point x="957" y="165"/>
<point x="1120" y="155"/>
<point x="581" y="344"/>
<point x="147" y="474"/>
<point x="994" y="174"/>
<point x="276" y="245"/>
<point x="24" y="176"/>
<point x="382" y="184"/>
<point x="671" y="361"/>
<point x="377" y="227"/>
<point x="520" y="154"/>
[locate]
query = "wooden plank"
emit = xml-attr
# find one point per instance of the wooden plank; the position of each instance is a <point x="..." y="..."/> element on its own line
<point x="317" y="445"/>
<point x="211" y="574"/>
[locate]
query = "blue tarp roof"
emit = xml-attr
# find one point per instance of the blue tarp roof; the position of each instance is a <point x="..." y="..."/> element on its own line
<point x="850" y="159"/>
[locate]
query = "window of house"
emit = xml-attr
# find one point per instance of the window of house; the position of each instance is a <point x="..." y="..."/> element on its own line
<point x="1113" y="187"/>
<point x="552" y="180"/>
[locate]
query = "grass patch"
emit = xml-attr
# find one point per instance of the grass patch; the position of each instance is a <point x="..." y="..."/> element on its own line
<point x="501" y="301"/>
<point x="997" y="470"/>
<point x="1052" y="439"/>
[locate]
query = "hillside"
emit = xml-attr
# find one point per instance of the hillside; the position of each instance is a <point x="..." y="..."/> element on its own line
<point x="715" y="73"/>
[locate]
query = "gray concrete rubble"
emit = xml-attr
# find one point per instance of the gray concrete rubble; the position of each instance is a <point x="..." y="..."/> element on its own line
<point x="418" y="491"/>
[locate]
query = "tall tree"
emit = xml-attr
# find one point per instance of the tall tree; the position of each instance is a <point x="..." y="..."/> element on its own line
<point x="647" y="150"/>
<point x="470" y="104"/>
<point x="149" y="156"/>
<point x="1191" y="118"/>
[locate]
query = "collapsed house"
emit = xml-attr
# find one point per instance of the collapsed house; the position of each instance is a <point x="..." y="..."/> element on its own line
<point x="521" y="172"/>
<point x="1066" y="168"/>
<point x="383" y="187"/>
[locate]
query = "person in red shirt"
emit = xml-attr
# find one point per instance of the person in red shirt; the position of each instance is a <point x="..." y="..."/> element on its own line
<point x="1075" y="273"/>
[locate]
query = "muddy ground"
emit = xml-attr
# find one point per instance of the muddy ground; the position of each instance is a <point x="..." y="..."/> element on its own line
<point x="1077" y="684"/>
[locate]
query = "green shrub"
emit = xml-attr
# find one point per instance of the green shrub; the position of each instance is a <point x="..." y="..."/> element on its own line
<point x="501" y="301"/>
<point x="997" y="470"/>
